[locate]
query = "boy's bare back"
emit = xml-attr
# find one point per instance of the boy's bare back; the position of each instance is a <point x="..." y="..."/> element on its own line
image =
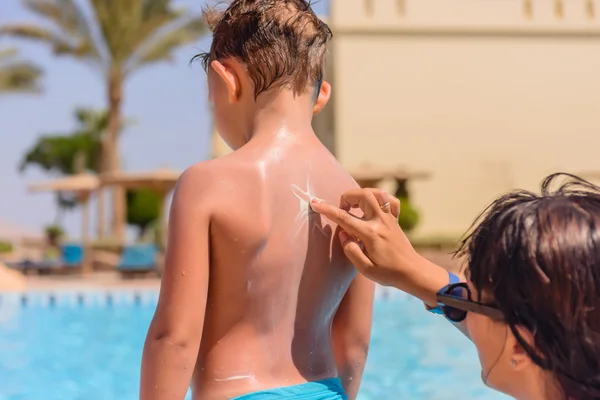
<point x="256" y="293"/>
<point x="277" y="273"/>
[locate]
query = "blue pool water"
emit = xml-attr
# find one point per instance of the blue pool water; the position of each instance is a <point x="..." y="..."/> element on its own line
<point x="72" y="348"/>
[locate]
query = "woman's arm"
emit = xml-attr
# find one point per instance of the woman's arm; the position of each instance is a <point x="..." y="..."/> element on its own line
<point x="424" y="280"/>
<point x="378" y="247"/>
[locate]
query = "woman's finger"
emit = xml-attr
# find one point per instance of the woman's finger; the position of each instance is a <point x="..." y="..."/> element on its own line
<point x="355" y="226"/>
<point x="354" y="252"/>
<point x="389" y="204"/>
<point x="365" y="199"/>
<point x="395" y="206"/>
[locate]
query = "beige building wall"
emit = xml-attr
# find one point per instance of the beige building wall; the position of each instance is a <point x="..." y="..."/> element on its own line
<point x="488" y="95"/>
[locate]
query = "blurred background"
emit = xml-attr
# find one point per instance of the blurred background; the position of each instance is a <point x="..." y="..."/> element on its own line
<point x="445" y="104"/>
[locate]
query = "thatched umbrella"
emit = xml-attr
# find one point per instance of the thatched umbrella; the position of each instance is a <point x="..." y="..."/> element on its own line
<point x="15" y="234"/>
<point x="369" y="175"/>
<point x="83" y="185"/>
<point x="162" y="181"/>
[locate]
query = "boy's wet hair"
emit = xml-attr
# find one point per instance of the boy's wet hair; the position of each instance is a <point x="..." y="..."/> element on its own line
<point x="282" y="43"/>
<point x="537" y="256"/>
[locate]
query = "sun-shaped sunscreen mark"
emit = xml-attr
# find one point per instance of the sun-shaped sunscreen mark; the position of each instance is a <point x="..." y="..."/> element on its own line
<point x="304" y="215"/>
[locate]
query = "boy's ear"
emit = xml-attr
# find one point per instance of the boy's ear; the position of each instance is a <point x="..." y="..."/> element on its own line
<point x="323" y="98"/>
<point x="230" y="78"/>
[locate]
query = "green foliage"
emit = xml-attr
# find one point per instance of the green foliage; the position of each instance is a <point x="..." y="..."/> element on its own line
<point x="409" y="216"/>
<point x="54" y="233"/>
<point x="58" y="153"/>
<point x="16" y="75"/>
<point x="6" y="247"/>
<point x="124" y="35"/>
<point x="143" y="209"/>
<point x="54" y="230"/>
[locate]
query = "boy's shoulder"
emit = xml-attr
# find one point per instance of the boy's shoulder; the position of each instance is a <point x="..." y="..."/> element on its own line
<point x="209" y="178"/>
<point x="202" y="184"/>
<point x="215" y="169"/>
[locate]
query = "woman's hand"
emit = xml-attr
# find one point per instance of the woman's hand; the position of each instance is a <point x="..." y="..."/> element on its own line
<point x="374" y="243"/>
<point x="378" y="247"/>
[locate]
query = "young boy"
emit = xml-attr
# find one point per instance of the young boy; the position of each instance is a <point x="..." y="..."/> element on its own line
<point x="257" y="298"/>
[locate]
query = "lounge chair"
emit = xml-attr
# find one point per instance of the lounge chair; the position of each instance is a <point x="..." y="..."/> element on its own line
<point x="138" y="259"/>
<point x="71" y="258"/>
<point x="42" y="267"/>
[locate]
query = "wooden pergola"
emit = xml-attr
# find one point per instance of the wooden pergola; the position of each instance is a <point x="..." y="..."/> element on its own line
<point x="162" y="181"/>
<point x="369" y="175"/>
<point x="83" y="186"/>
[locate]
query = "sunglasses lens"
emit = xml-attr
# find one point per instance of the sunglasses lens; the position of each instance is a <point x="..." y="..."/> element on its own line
<point x="454" y="314"/>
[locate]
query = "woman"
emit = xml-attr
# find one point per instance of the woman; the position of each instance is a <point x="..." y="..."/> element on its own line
<point x="530" y="301"/>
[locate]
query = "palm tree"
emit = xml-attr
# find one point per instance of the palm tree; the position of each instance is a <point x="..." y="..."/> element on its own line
<point x="117" y="38"/>
<point x="17" y="76"/>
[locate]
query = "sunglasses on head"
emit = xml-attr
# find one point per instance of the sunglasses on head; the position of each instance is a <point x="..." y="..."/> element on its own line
<point x="455" y="301"/>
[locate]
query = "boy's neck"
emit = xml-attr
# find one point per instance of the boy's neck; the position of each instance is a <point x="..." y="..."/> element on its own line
<point x="283" y="110"/>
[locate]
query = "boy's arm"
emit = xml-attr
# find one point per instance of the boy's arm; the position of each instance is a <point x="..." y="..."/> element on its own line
<point x="173" y="339"/>
<point x="351" y="333"/>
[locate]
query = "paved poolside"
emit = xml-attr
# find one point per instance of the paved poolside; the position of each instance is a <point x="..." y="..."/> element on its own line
<point x="99" y="280"/>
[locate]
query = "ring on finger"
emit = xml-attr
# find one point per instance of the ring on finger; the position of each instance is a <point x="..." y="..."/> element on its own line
<point x="386" y="207"/>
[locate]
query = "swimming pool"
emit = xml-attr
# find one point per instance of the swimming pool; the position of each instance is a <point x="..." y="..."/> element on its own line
<point x="71" y="347"/>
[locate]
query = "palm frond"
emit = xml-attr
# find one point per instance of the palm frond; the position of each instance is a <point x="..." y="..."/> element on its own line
<point x="91" y="122"/>
<point x="60" y="45"/>
<point x="156" y="15"/>
<point x="68" y="19"/>
<point x="65" y="14"/>
<point x="18" y="76"/>
<point x="136" y="30"/>
<point x="8" y="53"/>
<point x="155" y="8"/>
<point x="162" y="46"/>
<point x="119" y="24"/>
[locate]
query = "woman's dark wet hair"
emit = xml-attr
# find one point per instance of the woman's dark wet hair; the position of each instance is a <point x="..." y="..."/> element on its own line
<point x="538" y="257"/>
